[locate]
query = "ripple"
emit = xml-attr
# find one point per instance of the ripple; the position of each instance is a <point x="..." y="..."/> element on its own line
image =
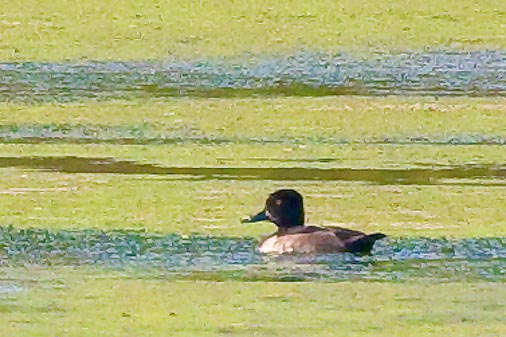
<point x="217" y="258"/>
<point x="480" y="73"/>
<point x="146" y="134"/>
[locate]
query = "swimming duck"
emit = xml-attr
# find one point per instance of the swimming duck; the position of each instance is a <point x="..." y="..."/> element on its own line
<point x="285" y="209"/>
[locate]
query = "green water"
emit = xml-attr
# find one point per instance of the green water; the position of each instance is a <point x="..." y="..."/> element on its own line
<point x="303" y="74"/>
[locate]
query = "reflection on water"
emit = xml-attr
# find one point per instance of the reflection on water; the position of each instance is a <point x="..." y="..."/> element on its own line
<point x="235" y="258"/>
<point x="480" y="73"/>
<point x="462" y="174"/>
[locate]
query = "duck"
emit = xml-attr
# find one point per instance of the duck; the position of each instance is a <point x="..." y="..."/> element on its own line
<point x="285" y="208"/>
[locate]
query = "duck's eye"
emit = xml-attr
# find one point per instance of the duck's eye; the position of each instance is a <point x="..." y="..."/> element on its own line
<point x="279" y="202"/>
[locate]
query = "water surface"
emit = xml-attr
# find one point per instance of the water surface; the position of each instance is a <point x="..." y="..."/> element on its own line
<point x="433" y="175"/>
<point x="146" y="134"/>
<point x="197" y="256"/>
<point x="307" y="73"/>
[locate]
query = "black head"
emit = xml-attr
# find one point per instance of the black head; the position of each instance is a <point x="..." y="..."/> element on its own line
<point x="285" y="208"/>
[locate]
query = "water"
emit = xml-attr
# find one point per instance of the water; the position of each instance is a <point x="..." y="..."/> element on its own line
<point x="442" y="73"/>
<point x="144" y="134"/>
<point x="302" y="74"/>
<point x="199" y="256"/>
<point x="432" y="175"/>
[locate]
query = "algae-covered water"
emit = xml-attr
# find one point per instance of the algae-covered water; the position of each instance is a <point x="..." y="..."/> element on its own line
<point x="304" y="74"/>
<point x="135" y="136"/>
<point x="197" y="256"/>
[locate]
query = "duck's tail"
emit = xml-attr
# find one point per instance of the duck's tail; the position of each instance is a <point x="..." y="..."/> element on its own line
<point x="363" y="244"/>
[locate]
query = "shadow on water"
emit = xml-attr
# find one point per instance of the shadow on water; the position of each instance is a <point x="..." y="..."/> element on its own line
<point x="301" y="74"/>
<point x="431" y="175"/>
<point x="220" y="258"/>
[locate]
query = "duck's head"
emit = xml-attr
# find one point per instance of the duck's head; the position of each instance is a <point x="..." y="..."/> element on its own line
<point x="284" y="208"/>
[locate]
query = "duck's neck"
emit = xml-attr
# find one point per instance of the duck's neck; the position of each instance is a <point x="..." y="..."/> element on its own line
<point x="290" y="230"/>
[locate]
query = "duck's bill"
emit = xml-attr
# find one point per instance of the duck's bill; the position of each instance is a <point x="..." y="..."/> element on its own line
<point x="255" y="218"/>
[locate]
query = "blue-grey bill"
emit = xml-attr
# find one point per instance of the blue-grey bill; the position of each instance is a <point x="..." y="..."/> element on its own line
<point x="255" y="218"/>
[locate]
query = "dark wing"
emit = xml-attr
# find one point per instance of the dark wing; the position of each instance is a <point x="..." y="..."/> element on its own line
<point x="345" y="233"/>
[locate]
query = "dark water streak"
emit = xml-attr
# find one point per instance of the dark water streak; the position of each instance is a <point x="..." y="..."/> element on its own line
<point x="427" y="176"/>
